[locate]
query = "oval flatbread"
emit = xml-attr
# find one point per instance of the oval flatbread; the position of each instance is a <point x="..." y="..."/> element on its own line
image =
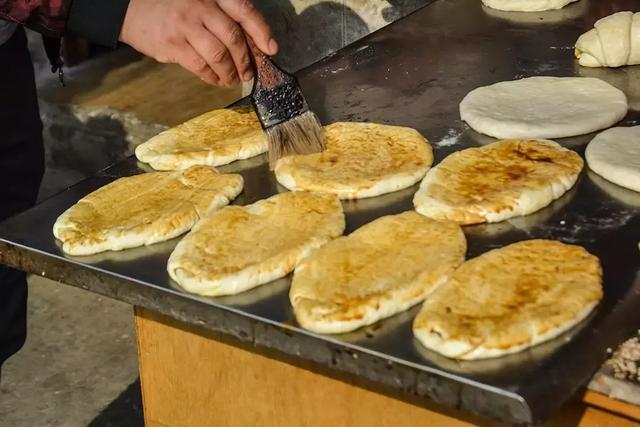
<point x="615" y="155"/>
<point x="526" y="5"/>
<point x="361" y="160"/>
<point x="543" y="107"/>
<point x="241" y="247"/>
<point x="509" y="299"/>
<point x="144" y="209"/>
<point x="498" y="181"/>
<point x="381" y="269"/>
<point x="214" y="138"/>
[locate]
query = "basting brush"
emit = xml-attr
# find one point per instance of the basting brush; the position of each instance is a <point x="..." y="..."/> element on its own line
<point x="290" y="126"/>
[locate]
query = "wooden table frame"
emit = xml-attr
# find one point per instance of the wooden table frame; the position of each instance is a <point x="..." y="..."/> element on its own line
<point x="192" y="377"/>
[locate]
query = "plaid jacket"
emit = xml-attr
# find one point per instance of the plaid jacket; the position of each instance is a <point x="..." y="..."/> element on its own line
<point x="44" y="16"/>
<point x="99" y="21"/>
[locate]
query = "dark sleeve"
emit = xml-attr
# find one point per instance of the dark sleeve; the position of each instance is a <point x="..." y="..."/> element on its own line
<point x="98" y="21"/>
<point x="44" y="16"/>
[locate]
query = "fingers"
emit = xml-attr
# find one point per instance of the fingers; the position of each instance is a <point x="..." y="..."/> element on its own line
<point x="214" y="53"/>
<point x="232" y="36"/>
<point x="189" y="59"/>
<point x="252" y="21"/>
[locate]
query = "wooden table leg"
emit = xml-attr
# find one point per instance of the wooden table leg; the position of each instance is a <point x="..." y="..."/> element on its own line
<point x="190" y="379"/>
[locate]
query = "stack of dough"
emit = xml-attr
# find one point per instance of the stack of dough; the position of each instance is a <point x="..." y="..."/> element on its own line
<point x="509" y="299"/>
<point x="526" y="5"/>
<point x="379" y="270"/>
<point x="144" y="209"/>
<point x="543" y="107"/>
<point x="241" y="247"/>
<point x="615" y="155"/>
<point x="614" y="42"/>
<point x="498" y="181"/>
<point x="361" y="160"/>
<point x="214" y="138"/>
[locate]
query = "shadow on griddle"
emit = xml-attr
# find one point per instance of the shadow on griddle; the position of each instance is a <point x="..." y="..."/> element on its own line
<point x="623" y="195"/>
<point x="257" y="294"/>
<point x="545" y="215"/>
<point x="359" y="212"/>
<point x="127" y="255"/>
<point x="627" y="79"/>
<point x="484" y="237"/>
<point x="380" y="329"/>
<point x="242" y="165"/>
<point x="584" y="222"/>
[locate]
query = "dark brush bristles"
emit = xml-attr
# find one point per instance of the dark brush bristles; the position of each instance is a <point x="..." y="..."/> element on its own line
<point x="302" y="134"/>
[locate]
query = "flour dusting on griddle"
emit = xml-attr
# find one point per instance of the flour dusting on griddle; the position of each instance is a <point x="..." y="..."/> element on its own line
<point x="452" y="137"/>
<point x="625" y="362"/>
<point x="574" y="228"/>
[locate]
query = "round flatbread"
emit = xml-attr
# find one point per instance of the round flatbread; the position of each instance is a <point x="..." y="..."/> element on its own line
<point x="615" y="155"/>
<point x="526" y="5"/>
<point x="498" y="181"/>
<point x="144" y="209"/>
<point x="361" y="160"/>
<point x="509" y="299"/>
<point x="543" y="107"/>
<point x="381" y="269"/>
<point x="214" y="138"/>
<point x="241" y="247"/>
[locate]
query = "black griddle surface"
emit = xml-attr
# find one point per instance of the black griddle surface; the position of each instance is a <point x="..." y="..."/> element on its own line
<point x="412" y="73"/>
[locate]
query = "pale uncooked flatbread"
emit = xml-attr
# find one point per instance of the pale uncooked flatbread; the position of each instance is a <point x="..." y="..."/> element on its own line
<point x="509" y="299"/>
<point x="498" y="181"/>
<point x="540" y="19"/>
<point x="613" y="42"/>
<point x="615" y="155"/>
<point x="214" y="138"/>
<point x="361" y="160"/>
<point x="144" y="209"/>
<point x="526" y="5"/>
<point x="543" y="107"/>
<point x="379" y="270"/>
<point x="241" y="247"/>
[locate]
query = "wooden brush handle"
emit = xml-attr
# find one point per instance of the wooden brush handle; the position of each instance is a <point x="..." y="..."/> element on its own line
<point x="268" y="75"/>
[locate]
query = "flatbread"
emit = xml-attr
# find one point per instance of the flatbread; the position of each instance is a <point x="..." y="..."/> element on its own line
<point x="613" y="42"/>
<point x="381" y="269"/>
<point x="143" y="209"/>
<point x="509" y="299"/>
<point x="214" y="138"/>
<point x="361" y="160"/>
<point x="526" y="5"/>
<point x="540" y="19"/>
<point x="543" y="107"/>
<point x="498" y="181"/>
<point x="241" y="247"/>
<point x="615" y="155"/>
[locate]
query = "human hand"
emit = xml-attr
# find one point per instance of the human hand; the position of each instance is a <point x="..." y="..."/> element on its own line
<point x="207" y="37"/>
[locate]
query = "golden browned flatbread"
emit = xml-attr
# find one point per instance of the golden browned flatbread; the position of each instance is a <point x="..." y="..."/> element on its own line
<point x="361" y="160"/>
<point x="214" y="138"/>
<point x="144" y="209"/>
<point x="498" y="181"/>
<point x="241" y="247"/>
<point x="379" y="270"/>
<point x="509" y="299"/>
